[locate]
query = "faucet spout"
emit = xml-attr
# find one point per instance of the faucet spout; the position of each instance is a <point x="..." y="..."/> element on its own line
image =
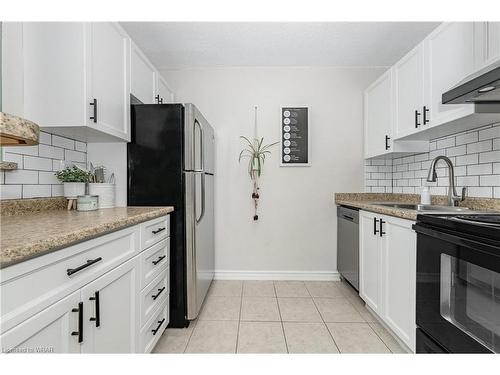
<point x="453" y="197"/>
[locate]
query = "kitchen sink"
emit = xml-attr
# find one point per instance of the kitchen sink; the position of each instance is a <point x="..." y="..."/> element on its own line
<point x="424" y="207"/>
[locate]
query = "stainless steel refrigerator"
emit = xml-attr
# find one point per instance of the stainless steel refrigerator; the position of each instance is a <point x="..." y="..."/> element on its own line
<point x="171" y="162"/>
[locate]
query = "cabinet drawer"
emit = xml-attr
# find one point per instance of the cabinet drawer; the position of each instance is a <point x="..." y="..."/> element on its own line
<point x="155" y="327"/>
<point x="154" y="295"/>
<point x="31" y="286"/>
<point x="154" y="260"/>
<point x="154" y="231"/>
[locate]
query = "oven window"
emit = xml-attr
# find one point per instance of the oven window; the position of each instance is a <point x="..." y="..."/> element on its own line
<point x="470" y="300"/>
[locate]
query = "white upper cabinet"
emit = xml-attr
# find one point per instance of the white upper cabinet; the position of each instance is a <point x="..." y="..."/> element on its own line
<point x="165" y="94"/>
<point x="409" y="73"/>
<point x="378" y="116"/>
<point x="62" y="67"/>
<point x="486" y="43"/>
<point x="143" y="77"/>
<point x="108" y="81"/>
<point x="450" y="58"/>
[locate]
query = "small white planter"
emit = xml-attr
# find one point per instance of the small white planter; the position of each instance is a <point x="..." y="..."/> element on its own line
<point x="73" y="189"/>
<point x="106" y="193"/>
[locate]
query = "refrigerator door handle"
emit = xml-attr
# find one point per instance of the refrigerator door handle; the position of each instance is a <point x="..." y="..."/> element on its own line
<point x="202" y="198"/>
<point x="202" y="146"/>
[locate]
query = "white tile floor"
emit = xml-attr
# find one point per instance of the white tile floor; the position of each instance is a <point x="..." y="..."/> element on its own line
<point x="281" y="317"/>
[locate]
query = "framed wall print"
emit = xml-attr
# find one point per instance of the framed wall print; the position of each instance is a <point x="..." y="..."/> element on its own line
<point x="295" y="137"/>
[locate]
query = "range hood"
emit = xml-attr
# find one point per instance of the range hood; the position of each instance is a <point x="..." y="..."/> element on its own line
<point x="481" y="88"/>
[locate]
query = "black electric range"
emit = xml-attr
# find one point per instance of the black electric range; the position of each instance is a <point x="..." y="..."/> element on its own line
<point x="458" y="283"/>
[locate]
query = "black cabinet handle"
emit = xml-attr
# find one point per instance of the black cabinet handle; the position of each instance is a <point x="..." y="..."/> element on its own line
<point x="375" y="230"/>
<point x="71" y="271"/>
<point x="155" y="262"/>
<point x="158" y="230"/>
<point x="387" y="146"/>
<point x="157" y="98"/>
<point x="97" y="318"/>
<point x="159" y="325"/>
<point x="426" y="110"/>
<point x="79" y="333"/>
<point x="417" y="124"/>
<point x="160" y="291"/>
<point x="94" y="103"/>
<point x="161" y="101"/>
<point x="382" y="222"/>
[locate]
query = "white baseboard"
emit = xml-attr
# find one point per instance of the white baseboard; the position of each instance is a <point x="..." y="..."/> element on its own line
<point x="277" y="275"/>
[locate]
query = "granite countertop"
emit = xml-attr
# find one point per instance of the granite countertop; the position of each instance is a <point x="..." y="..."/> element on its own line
<point x="26" y="236"/>
<point x="368" y="202"/>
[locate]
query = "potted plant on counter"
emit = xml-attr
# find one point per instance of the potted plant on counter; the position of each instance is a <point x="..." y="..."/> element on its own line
<point x="74" y="180"/>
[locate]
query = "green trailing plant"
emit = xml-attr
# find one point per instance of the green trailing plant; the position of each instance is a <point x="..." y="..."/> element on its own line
<point x="73" y="174"/>
<point x="256" y="152"/>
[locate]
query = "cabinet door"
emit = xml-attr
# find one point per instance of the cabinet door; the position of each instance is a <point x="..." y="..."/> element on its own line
<point x="111" y="311"/>
<point x="486" y="43"/>
<point x="399" y="278"/>
<point x="54" y="73"/>
<point x="108" y="78"/>
<point x="378" y="116"/>
<point x="165" y="93"/>
<point x="142" y="77"/>
<point x="51" y="330"/>
<point x="449" y="59"/>
<point x="409" y="92"/>
<point x="369" y="261"/>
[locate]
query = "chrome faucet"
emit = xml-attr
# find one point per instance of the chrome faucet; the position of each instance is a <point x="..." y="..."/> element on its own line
<point x="453" y="197"/>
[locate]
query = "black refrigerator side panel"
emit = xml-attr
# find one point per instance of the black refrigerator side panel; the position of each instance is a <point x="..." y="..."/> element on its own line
<point x="155" y="178"/>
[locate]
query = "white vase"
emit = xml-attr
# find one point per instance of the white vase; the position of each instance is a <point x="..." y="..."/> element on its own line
<point x="73" y="189"/>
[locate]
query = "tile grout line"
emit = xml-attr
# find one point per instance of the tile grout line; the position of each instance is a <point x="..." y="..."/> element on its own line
<point x="189" y="338"/>
<point x="281" y="318"/>
<point x="323" y="320"/>
<point x="239" y="319"/>
<point x="380" y="337"/>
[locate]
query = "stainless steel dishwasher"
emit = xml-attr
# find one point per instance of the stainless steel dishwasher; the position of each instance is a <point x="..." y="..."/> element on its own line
<point x="348" y="244"/>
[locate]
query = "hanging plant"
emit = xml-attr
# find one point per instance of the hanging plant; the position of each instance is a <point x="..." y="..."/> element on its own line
<point x="256" y="152"/>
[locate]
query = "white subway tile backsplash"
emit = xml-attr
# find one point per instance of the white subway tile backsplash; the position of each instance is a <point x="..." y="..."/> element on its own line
<point x="490" y="180"/>
<point x="21" y="176"/>
<point x="479" y="146"/>
<point x="63" y="142"/>
<point x="489" y="133"/>
<point x="37" y="191"/>
<point x="475" y="155"/>
<point x="11" y="191"/>
<point x="36" y="165"/>
<point x="51" y="152"/>
<point x="75" y="156"/>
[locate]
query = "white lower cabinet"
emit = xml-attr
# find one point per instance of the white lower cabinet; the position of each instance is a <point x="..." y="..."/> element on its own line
<point x="98" y="309"/>
<point x="111" y="311"/>
<point x="388" y="272"/>
<point x="52" y="330"/>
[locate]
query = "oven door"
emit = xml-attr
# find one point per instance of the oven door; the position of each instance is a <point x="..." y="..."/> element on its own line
<point x="458" y="291"/>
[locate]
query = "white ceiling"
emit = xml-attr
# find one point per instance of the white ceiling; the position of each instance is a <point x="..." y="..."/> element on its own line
<point x="180" y="44"/>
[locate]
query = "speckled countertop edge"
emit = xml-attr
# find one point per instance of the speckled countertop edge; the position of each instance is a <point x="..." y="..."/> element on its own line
<point x="368" y="202"/>
<point x="16" y="254"/>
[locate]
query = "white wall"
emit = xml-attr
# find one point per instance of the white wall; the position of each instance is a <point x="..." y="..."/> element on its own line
<point x="296" y="230"/>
